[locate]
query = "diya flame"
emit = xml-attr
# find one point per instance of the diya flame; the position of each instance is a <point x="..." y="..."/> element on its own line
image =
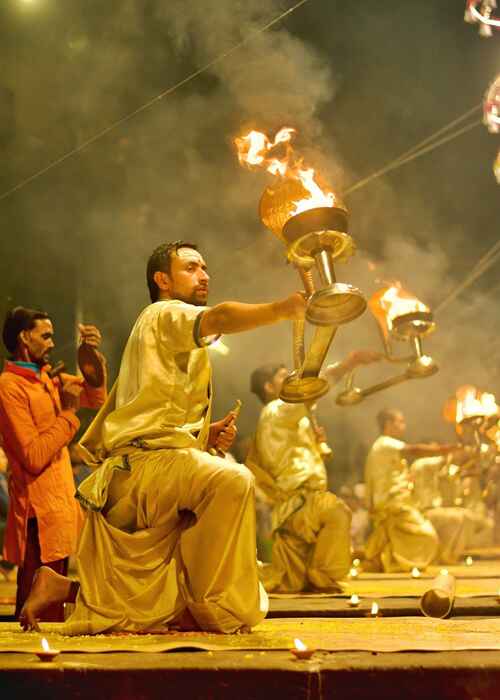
<point x="257" y="150"/>
<point x="393" y="301"/>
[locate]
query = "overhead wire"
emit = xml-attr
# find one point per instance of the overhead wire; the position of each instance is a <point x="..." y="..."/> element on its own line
<point x="428" y="144"/>
<point x="111" y="127"/>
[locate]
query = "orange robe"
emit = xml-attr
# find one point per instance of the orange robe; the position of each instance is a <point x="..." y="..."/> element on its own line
<point x="36" y="431"/>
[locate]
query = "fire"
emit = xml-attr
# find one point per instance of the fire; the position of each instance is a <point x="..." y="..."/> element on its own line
<point x="45" y="644"/>
<point x="257" y="150"/>
<point x="299" y="645"/>
<point x="393" y="301"/>
<point x="472" y="402"/>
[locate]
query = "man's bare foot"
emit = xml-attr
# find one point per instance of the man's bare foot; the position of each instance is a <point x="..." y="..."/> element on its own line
<point x="47" y="588"/>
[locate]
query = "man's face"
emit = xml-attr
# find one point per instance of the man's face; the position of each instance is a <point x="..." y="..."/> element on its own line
<point x="188" y="277"/>
<point x="38" y="342"/>
<point x="397" y="425"/>
<point x="275" y="386"/>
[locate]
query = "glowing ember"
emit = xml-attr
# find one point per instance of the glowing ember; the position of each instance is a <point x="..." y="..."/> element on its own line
<point x="257" y="150"/>
<point x="300" y="646"/>
<point x="472" y="403"/>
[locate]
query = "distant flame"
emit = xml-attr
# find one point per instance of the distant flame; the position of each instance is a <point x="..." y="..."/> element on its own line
<point x="300" y="646"/>
<point x="472" y="402"/>
<point x="45" y="644"/>
<point x="257" y="150"/>
<point x="393" y="301"/>
<point x="374" y="609"/>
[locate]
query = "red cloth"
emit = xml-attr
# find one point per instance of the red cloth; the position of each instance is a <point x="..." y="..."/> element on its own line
<point x="25" y="574"/>
<point x="35" y="432"/>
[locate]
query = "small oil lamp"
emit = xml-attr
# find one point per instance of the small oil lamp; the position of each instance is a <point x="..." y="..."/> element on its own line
<point x="400" y="317"/>
<point x="301" y="651"/>
<point x="47" y="653"/>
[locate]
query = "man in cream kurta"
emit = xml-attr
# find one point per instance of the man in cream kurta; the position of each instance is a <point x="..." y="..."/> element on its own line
<point x="458" y="526"/>
<point x="170" y="530"/>
<point x="402" y="537"/>
<point x="310" y="525"/>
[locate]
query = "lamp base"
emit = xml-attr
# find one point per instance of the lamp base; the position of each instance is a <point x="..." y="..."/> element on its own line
<point x="335" y="305"/>
<point x="421" y="367"/>
<point x="303" y="389"/>
<point x="351" y="397"/>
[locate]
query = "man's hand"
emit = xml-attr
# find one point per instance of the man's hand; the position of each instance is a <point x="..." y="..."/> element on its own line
<point x="89" y="335"/>
<point x="70" y="395"/>
<point x="356" y="358"/>
<point x="293" y="308"/>
<point x="222" y="433"/>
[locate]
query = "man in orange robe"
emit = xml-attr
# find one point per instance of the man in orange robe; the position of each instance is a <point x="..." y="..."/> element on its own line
<point x="37" y="421"/>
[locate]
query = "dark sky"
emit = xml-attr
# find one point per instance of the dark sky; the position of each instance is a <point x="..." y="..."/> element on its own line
<point x="362" y="82"/>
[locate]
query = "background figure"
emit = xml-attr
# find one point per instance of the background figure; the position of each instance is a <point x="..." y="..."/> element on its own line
<point x="310" y="525"/>
<point x="402" y="537"/>
<point x="37" y="421"/>
<point x="457" y="527"/>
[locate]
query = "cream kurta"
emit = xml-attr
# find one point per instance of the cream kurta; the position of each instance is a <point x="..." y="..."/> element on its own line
<point x="155" y="542"/>
<point x="311" y="526"/>
<point x="402" y="537"/>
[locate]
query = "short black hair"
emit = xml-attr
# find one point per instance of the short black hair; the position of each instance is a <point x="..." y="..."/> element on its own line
<point x="260" y="377"/>
<point x="161" y="261"/>
<point x="386" y="415"/>
<point x="17" y="320"/>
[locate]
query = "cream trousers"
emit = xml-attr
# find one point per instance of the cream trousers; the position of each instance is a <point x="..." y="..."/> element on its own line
<point x="175" y="530"/>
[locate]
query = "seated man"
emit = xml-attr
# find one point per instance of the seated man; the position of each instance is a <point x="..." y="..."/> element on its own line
<point x="169" y="537"/>
<point x="457" y="527"/>
<point x="311" y="526"/>
<point x="402" y="537"/>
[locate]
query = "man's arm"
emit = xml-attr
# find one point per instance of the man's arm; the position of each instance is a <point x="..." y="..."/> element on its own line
<point x="33" y="449"/>
<point x="356" y="358"/>
<point x="432" y="449"/>
<point x="235" y="317"/>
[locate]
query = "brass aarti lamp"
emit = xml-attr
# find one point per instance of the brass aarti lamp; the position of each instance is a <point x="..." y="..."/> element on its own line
<point x="400" y="317"/>
<point x="315" y="233"/>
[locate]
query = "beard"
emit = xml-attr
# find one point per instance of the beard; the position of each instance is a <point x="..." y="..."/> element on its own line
<point x="197" y="298"/>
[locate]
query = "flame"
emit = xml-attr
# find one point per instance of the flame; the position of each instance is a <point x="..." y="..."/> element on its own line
<point x="472" y="402"/>
<point x="374" y="610"/>
<point x="393" y="301"/>
<point x="45" y="644"/>
<point x="300" y="646"/>
<point x="257" y="150"/>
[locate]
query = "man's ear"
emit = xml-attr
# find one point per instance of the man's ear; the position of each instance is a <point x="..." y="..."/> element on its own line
<point x="23" y="337"/>
<point x="269" y="388"/>
<point x="162" y="280"/>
